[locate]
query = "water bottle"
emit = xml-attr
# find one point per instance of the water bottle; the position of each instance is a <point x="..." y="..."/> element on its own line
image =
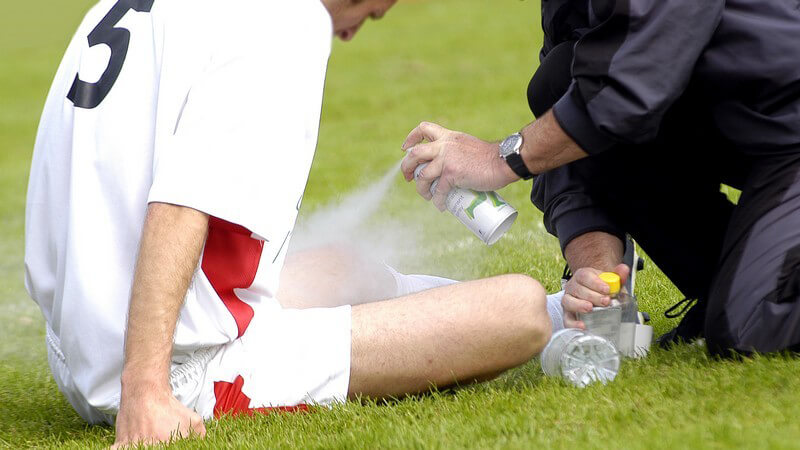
<point x="580" y="357"/>
<point x="486" y="214"/>
<point x="604" y="321"/>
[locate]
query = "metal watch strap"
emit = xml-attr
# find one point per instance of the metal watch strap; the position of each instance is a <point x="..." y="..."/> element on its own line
<point x="514" y="160"/>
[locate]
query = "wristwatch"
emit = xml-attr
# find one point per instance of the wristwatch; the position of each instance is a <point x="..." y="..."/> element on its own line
<point x="510" y="152"/>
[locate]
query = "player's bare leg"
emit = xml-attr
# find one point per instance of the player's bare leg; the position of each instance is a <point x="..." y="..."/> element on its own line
<point x="335" y="275"/>
<point x="471" y="331"/>
<point x="461" y="333"/>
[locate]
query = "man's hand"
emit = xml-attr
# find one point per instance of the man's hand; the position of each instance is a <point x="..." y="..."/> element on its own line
<point x="589" y="255"/>
<point x="155" y="417"/>
<point x="461" y="160"/>
<point x="585" y="290"/>
<point x="456" y="159"/>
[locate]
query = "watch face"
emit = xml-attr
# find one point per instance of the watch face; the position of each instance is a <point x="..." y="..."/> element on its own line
<point x="510" y="144"/>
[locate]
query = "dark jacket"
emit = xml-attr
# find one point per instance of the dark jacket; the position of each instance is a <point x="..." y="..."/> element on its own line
<point x="633" y="59"/>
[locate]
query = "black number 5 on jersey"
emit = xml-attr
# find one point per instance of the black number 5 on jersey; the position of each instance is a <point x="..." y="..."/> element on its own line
<point x="89" y="95"/>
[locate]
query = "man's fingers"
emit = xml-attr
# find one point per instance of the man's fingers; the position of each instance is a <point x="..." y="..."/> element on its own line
<point x="425" y="130"/>
<point x="443" y="188"/>
<point x="413" y="138"/>
<point x="574" y="305"/>
<point x="624" y="272"/>
<point x="427" y="176"/>
<point x="132" y="442"/>
<point x="577" y="290"/>
<point x="199" y="426"/>
<point x="571" y="321"/>
<point x="590" y="279"/>
<point x="416" y="155"/>
<point x="192" y="426"/>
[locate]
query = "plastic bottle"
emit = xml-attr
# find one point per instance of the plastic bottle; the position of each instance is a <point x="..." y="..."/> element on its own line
<point x="605" y="320"/>
<point x="580" y="357"/>
<point x="486" y="214"/>
<point x="629" y="326"/>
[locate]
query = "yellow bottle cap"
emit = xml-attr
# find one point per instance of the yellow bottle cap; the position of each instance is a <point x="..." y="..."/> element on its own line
<point x="612" y="280"/>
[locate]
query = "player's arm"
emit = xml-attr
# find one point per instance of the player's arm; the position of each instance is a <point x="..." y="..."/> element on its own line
<point x="172" y="240"/>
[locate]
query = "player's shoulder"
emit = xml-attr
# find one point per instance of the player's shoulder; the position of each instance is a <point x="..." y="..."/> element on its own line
<point x="278" y="29"/>
<point x="262" y="19"/>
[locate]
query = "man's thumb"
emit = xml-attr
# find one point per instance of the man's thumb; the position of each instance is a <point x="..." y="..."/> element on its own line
<point x="624" y="272"/>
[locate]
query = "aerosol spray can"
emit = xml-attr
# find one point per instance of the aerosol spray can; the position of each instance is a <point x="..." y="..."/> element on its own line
<point x="604" y="321"/>
<point x="485" y="213"/>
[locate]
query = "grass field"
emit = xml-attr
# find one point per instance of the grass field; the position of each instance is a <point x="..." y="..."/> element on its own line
<point x="465" y="64"/>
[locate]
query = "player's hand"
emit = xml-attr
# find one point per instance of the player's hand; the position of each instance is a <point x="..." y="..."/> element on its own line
<point x="155" y="418"/>
<point x="585" y="290"/>
<point x="456" y="159"/>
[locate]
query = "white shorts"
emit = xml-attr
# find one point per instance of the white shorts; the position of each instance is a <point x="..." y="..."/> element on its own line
<point x="286" y="360"/>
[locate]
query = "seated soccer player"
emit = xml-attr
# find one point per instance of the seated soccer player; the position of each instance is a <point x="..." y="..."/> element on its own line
<point x="164" y="188"/>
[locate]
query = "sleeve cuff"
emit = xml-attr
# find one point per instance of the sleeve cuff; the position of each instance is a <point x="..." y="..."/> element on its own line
<point x="570" y="112"/>
<point x="575" y="223"/>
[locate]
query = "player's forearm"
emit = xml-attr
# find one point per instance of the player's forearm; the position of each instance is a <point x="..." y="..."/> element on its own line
<point x="595" y="249"/>
<point x="546" y="145"/>
<point x="172" y="239"/>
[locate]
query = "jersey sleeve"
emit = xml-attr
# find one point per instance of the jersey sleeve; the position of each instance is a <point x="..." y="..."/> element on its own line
<point x="244" y="140"/>
<point x="631" y="66"/>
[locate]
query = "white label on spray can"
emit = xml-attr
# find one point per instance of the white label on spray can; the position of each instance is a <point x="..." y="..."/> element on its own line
<point x="486" y="214"/>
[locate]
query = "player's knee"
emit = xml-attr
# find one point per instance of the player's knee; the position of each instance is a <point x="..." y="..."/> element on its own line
<point x="525" y="306"/>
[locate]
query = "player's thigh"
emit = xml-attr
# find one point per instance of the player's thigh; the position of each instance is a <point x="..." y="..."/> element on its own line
<point x="333" y="275"/>
<point x="755" y="299"/>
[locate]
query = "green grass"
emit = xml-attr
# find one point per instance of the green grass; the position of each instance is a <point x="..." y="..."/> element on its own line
<point x="465" y="64"/>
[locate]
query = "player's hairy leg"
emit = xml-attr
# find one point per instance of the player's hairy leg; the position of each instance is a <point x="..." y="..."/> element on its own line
<point x="333" y="275"/>
<point x="461" y="333"/>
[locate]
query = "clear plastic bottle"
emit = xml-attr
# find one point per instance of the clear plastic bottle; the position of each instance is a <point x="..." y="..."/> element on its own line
<point x="629" y="322"/>
<point x="580" y="357"/>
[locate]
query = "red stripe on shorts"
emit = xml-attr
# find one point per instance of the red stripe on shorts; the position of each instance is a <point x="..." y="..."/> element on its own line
<point x="231" y="400"/>
<point x="230" y="261"/>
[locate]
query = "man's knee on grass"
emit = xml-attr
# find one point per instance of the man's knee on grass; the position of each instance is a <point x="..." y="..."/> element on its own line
<point x="744" y="324"/>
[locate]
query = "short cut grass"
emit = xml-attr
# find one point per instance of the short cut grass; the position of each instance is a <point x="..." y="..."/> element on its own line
<point x="464" y="64"/>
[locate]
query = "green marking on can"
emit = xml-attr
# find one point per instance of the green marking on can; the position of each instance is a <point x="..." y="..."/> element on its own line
<point x="495" y="199"/>
<point x="481" y="197"/>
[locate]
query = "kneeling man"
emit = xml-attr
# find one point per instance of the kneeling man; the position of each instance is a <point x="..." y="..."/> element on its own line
<point x="170" y="163"/>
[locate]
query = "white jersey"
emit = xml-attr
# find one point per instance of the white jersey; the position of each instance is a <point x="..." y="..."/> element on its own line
<point x="210" y="105"/>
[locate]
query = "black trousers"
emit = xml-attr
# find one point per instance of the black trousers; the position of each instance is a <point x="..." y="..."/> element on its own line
<point x="741" y="261"/>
